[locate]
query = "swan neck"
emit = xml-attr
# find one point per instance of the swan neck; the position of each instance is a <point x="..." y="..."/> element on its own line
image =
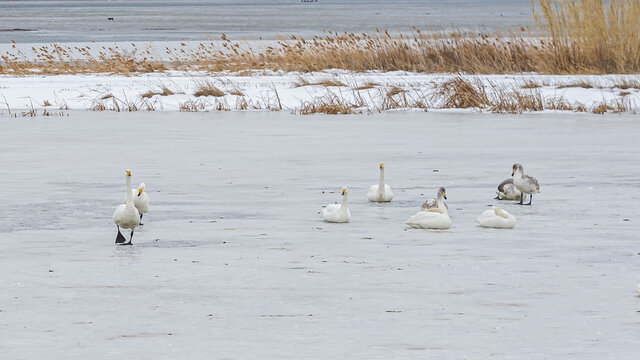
<point x="518" y="173"/>
<point x="344" y="201"/>
<point x="129" y="199"/>
<point x="381" y="184"/>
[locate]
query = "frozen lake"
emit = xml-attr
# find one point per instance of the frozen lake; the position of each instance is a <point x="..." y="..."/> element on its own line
<point x="55" y="21"/>
<point x="234" y="260"/>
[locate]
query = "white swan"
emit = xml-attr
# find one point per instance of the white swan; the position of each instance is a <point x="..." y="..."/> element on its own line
<point x="141" y="200"/>
<point x="524" y="183"/>
<point x="497" y="218"/>
<point x="507" y="191"/>
<point x="434" y="218"/>
<point x="338" y="213"/>
<point x="381" y="192"/>
<point x="438" y="202"/>
<point x="126" y="215"/>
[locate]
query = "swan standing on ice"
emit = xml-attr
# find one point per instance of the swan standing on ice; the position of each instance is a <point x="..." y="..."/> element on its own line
<point x="434" y="218"/>
<point x="141" y="200"/>
<point x="337" y="213"/>
<point x="497" y="218"/>
<point x="524" y="183"/>
<point x="438" y="202"/>
<point x="381" y="192"/>
<point x="507" y="191"/>
<point x="126" y="215"/>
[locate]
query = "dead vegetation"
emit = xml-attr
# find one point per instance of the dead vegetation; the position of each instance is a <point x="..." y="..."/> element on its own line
<point x="571" y="37"/>
<point x="328" y="104"/>
<point x="302" y="81"/>
<point x="458" y="93"/>
<point x="207" y="88"/>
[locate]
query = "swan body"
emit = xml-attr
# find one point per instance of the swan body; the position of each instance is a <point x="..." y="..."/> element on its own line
<point x="381" y="192"/>
<point x="524" y="183"/>
<point x="497" y="218"/>
<point x="434" y="218"/>
<point x="337" y="213"/>
<point x="508" y="191"/>
<point x="140" y="200"/>
<point x="126" y="215"/>
<point x="438" y="202"/>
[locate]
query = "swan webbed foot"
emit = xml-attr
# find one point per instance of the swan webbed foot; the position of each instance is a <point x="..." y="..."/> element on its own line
<point x="497" y="198"/>
<point x="530" y="199"/>
<point x="119" y="238"/>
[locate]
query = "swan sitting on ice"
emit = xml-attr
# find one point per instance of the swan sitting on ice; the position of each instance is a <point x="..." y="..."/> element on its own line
<point x="434" y="218"/>
<point x="507" y="191"/>
<point x="497" y="218"/>
<point x="141" y="200"/>
<point x="337" y="213"/>
<point x="438" y="202"/>
<point x="381" y="192"/>
<point x="126" y="215"/>
<point x="524" y="183"/>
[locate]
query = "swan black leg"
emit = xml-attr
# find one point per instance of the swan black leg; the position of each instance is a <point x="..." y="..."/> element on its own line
<point x="119" y="238"/>
<point x="130" y="239"/>
<point x="141" y="219"/>
<point x="530" y="199"/>
<point x="497" y="198"/>
<point x="521" y="198"/>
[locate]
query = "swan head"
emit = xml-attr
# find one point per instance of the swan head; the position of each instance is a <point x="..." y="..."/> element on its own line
<point x="442" y="192"/>
<point x="381" y="166"/>
<point x="128" y="172"/>
<point x="140" y="188"/>
<point x="344" y="191"/>
<point x="515" y="168"/>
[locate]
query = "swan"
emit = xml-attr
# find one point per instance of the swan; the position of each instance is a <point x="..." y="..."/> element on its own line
<point x="434" y="218"/>
<point x="381" y="192"/>
<point x="497" y="218"/>
<point x="507" y="191"/>
<point x="524" y="183"/>
<point x="141" y="200"/>
<point x="338" y="213"/>
<point x="126" y="215"/>
<point x="438" y="202"/>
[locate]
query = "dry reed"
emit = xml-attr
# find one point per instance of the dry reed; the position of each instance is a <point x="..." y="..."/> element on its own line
<point x="572" y="37"/>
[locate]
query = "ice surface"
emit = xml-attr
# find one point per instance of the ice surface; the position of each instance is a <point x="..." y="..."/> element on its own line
<point x="234" y="260"/>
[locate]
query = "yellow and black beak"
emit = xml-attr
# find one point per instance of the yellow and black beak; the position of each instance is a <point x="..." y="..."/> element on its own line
<point x="444" y="195"/>
<point x="139" y="192"/>
<point x="128" y="172"/>
<point x="381" y="165"/>
<point x="513" y="172"/>
<point x="343" y="191"/>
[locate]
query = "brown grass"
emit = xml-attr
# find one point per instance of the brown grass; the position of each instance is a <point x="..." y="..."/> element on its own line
<point x="602" y="108"/>
<point x="302" y="81"/>
<point x="625" y="84"/>
<point x="581" y="84"/>
<point x="395" y="90"/>
<point x="516" y="102"/>
<point x="328" y="104"/>
<point x="560" y="104"/>
<point x="530" y="84"/>
<point x="571" y="37"/>
<point x="366" y="86"/>
<point x="206" y="88"/>
<point x="459" y="93"/>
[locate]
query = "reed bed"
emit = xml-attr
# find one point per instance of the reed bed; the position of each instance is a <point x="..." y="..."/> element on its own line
<point x="571" y="37"/>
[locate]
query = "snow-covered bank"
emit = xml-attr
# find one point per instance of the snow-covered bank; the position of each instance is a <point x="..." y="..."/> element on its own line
<point x="297" y="92"/>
